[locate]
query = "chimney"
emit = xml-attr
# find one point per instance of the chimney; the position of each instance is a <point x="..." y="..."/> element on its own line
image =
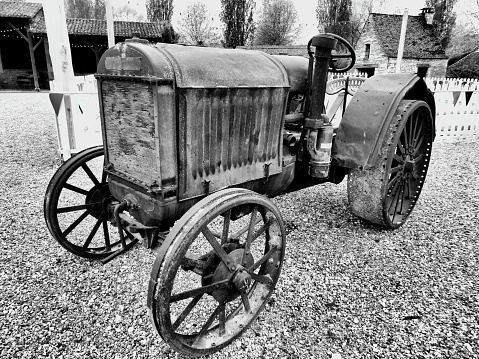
<point x="428" y="13"/>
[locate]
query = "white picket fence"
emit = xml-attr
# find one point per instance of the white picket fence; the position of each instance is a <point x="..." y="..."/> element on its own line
<point x="457" y="107"/>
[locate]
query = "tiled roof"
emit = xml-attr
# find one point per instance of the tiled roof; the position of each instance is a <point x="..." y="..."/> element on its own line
<point x="91" y="27"/>
<point x="420" y="39"/>
<point x="18" y="9"/>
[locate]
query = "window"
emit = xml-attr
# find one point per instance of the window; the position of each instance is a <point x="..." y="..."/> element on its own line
<point x="367" y="51"/>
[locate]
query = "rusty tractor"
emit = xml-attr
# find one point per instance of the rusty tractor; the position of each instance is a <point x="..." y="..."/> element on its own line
<point x="197" y="140"/>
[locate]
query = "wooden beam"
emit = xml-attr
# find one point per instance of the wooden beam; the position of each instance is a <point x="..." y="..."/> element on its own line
<point x="38" y="44"/>
<point x="96" y="49"/>
<point x="16" y="29"/>
<point x="32" y="58"/>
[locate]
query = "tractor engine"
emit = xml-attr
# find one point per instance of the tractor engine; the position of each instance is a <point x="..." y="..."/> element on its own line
<point x="180" y="122"/>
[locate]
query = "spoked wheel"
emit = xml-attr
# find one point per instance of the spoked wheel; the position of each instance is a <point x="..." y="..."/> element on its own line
<point x="387" y="193"/>
<point x="220" y="264"/>
<point x="77" y="207"/>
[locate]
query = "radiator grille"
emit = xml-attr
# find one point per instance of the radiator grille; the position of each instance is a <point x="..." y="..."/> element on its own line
<point x="228" y="136"/>
<point x="128" y="109"/>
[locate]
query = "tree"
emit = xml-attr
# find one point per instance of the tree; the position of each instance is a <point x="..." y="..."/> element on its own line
<point x="159" y="10"/>
<point x="195" y="25"/>
<point x="335" y="16"/>
<point x="237" y="15"/>
<point x="127" y="13"/>
<point x="85" y="9"/>
<point x="277" y="24"/>
<point x="444" y="19"/>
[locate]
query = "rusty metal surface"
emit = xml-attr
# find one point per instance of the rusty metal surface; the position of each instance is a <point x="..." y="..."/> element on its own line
<point x="213" y="67"/>
<point x="128" y="111"/>
<point x="228" y="136"/>
<point x="135" y="60"/>
<point x="369" y="113"/>
<point x="297" y="70"/>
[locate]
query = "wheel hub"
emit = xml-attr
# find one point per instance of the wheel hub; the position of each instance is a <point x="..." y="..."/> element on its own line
<point x="239" y="279"/>
<point x="98" y="194"/>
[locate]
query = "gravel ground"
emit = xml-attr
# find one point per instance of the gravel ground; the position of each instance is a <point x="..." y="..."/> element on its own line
<point x="347" y="288"/>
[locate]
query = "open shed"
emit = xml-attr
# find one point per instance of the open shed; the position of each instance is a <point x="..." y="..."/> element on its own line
<point x="24" y="53"/>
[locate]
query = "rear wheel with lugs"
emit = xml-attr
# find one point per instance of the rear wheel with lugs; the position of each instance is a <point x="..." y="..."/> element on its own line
<point x="387" y="193"/>
<point x="216" y="271"/>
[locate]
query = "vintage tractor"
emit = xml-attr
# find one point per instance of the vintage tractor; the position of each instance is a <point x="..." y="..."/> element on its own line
<point x="195" y="142"/>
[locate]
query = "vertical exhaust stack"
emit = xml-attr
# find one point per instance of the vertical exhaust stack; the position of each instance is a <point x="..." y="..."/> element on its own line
<point x="319" y="131"/>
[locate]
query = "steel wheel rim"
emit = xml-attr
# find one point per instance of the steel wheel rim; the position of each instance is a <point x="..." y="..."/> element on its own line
<point x="408" y="165"/>
<point x="230" y="325"/>
<point x="93" y="206"/>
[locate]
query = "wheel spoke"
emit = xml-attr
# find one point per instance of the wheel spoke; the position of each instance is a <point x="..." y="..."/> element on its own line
<point x="92" y="233"/>
<point x="75" y="189"/>
<point x="249" y="238"/>
<point x="262" y="260"/>
<point x="216" y="246"/>
<point x="245" y="300"/>
<point x="392" y="182"/>
<point x="402" y="198"/>
<point x="408" y="186"/>
<point x="265" y="279"/>
<point x="199" y="291"/>
<point x="222" y="319"/>
<point x="207" y="324"/>
<point x="398" y="159"/>
<point x="186" y="311"/>
<point x="410" y="125"/>
<point x="103" y="177"/>
<point x="418" y="158"/>
<point x="243" y="230"/>
<point x="405" y="137"/>
<point x="418" y="146"/>
<point x="392" y="194"/>
<point x="417" y="135"/>
<point x="395" y="198"/>
<point x="106" y="233"/>
<point x="401" y="147"/>
<point x="78" y="208"/>
<point x="74" y="224"/>
<point x="90" y="174"/>
<point x="413" y="132"/>
<point x="395" y="170"/>
<point x="226" y="227"/>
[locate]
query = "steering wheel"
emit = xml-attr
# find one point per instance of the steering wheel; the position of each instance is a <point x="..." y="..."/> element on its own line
<point x="351" y="54"/>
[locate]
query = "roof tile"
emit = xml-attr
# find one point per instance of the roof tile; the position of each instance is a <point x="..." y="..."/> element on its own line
<point x="19" y="9"/>
<point x="420" y="39"/>
<point x="92" y="27"/>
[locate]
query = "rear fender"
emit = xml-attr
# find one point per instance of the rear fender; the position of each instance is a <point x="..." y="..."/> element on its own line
<point x="368" y="116"/>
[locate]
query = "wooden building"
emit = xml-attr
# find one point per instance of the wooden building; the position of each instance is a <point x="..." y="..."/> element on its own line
<point x="24" y="53"/>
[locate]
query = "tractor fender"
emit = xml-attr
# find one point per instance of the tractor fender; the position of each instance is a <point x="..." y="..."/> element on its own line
<point x="369" y="114"/>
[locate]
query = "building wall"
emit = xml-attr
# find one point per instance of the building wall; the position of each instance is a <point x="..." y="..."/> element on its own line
<point x="383" y="64"/>
<point x="437" y="67"/>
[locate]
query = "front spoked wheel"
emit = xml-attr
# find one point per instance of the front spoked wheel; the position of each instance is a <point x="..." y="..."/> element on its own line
<point x="387" y="193"/>
<point x="222" y="262"/>
<point x="77" y="207"/>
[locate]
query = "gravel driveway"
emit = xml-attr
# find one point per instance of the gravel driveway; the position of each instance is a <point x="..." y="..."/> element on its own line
<point x="346" y="288"/>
